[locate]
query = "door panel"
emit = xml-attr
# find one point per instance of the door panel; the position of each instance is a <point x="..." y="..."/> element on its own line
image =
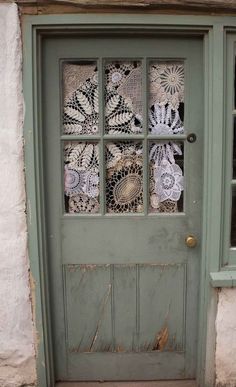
<point x="155" y="240"/>
<point x="123" y="189"/>
<point x="142" y="323"/>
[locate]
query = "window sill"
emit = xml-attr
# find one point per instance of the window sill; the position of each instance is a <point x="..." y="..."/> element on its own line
<point x="223" y="279"/>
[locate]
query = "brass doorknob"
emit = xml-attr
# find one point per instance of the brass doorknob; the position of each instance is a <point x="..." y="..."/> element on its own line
<point x="191" y="241"/>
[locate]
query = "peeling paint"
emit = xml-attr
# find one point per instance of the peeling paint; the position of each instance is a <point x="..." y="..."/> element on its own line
<point x="161" y="339"/>
<point x="88" y="267"/>
<point x="33" y="309"/>
<point x="32" y="295"/>
<point x="104" y="303"/>
<point x="162" y="265"/>
<point x="120" y="348"/>
<point x="72" y="268"/>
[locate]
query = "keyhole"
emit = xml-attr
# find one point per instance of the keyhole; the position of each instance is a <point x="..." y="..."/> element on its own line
<point x="192" y="137"/>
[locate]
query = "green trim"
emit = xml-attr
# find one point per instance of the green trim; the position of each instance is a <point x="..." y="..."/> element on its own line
<point x="204" y="288"/>
<point x="109" y="20"/>
<point x="36" y="243"/>
<point x="212" y="28"/>
<point x="32" y="205"/>
<point x="223" y="279"/>
<point x="229" y="254"/>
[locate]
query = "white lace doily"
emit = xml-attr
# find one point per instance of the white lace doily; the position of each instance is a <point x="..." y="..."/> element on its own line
<point x="123" y="115"/>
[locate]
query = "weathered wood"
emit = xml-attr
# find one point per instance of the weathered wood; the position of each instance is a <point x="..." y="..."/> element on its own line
<point x="60" y="9"/>
<point x="226" y="5"/>
<point x="181" y="383"/>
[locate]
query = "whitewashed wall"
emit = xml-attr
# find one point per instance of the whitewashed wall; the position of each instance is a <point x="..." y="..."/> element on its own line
<point x="226" y="339"/>
<point x="17" y="355"/>
<point x="17" y="359"/>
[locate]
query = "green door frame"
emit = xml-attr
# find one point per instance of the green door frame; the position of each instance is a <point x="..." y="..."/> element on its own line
<point x="213" y="31"/>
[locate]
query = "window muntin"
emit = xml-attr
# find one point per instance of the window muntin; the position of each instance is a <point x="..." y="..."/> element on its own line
<point x="133" y="110"/>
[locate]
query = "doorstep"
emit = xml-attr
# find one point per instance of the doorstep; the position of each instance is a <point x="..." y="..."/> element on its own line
<point x="179" y="383"/>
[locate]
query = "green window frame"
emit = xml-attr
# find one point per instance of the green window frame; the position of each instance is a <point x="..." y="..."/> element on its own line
<point x="229" y="252"/>
<point x="226" y="276"/>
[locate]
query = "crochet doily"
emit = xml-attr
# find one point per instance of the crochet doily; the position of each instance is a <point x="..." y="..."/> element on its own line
<point x="166" y="106"/>
<point x="119" y="115"/>
<point x="123" y="115"/>
<point x="124" y="180"/>
<point x="81" y="110"/>
<point x="166" y="83"/>
<point x="81" y="177"/>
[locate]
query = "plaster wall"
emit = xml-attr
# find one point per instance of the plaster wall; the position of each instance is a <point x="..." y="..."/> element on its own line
<point x="17" y="355"/>
<point x="226" y="339"/>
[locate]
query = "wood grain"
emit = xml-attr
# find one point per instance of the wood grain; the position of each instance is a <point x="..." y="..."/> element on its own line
<point x="226" y="5"/>
<point x="181" y="383"/>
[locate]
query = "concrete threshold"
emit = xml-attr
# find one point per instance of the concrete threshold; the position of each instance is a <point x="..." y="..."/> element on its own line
<point x="175" y="383"/>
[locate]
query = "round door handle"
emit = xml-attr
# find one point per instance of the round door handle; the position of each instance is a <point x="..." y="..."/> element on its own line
<point x="191" y="241"/>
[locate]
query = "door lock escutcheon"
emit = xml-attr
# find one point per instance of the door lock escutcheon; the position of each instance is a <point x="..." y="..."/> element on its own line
<point x="191" y="137"/>
<point x="191" y="241"/>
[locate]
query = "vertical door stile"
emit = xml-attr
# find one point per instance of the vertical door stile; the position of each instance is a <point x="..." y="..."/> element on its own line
<point x="137" y="308"/>
<point x="145" y="132"/>
<point x="64" y="281"/>
<point x="60" y="137"/>
<point x="62" y="213"/>
<point x="186" y="144"/>
<point x="101" y="128"/>
<point x="113" y="313"/>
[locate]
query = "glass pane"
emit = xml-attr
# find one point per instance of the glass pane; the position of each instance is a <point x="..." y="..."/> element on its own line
<point x="234" y="150"/>
<point x="123" y="95"/>
<point x="124" y="177"/>
<point x="80" y="85"/>
<point x="81" y="173"/>
<point x="166" y="98"/>
<point x="166" y="176"/>
<point x="234" y="82"/>
<point x="233" y="219"/>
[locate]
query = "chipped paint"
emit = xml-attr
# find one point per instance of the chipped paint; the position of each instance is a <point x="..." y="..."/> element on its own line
<point x="93" y="338"/>
<point x="72" y="268"/>
<point x="162" y="265"/>
<point x="33" y="309"/>
<point x="87" y="267"/>
<point x="104" y="303"/>
<point x="161" y="339"/>
<point x="120" y="348"/>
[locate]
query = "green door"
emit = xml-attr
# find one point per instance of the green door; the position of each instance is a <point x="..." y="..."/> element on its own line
<point x="123" y="156"/>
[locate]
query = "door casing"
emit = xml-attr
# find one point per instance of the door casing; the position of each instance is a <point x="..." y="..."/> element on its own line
<point x="212" y="31"/>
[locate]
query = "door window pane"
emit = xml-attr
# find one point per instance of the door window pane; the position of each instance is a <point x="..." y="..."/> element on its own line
<point x="233" y="219"/>
<point x="123" y="97"/>
<point x="234" y="150"/>
<point x="81" y="176"/>
<point x="166" y="98"/>
<point x="166" y="176"/>
<point x="80" y="86"/>
<point x="234" y="83"/>
<point x="124" y="177"/>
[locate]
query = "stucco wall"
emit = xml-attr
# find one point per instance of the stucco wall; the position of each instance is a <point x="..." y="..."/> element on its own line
<point x="226" y="339"/>
<point x="17" y="359"/>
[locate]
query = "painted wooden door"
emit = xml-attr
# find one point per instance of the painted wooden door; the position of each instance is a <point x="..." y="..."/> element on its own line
<point x="123" y="142"/>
